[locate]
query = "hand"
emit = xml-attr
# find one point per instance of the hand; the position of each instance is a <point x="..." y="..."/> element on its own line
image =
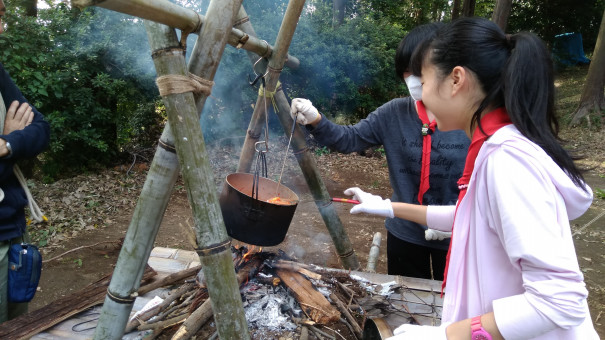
<point x="18" y="116"/>
<point x="371" y="204"/>
<point x="414" y="332"/>
<point x="432" y="235"/>
<point x="304" y="112"/>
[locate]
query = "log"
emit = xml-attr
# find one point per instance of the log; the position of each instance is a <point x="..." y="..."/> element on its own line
<point x="313" y="303"/>
<point x="288" y="265"/>
<point x="30" y="324"/>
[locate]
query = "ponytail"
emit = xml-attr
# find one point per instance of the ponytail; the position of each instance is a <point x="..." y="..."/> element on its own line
<point x="529" y="97"/>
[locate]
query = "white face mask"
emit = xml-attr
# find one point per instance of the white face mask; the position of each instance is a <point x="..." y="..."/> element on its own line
<point x="414" y="86"/>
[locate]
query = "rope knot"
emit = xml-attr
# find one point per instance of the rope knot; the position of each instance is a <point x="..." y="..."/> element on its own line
<point x="175" y="84"/>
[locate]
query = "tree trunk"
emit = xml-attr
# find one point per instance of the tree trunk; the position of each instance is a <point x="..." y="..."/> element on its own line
<point x="30" y="7"/>
<point x="592" y="98"/>
<point x="456" y="9"/>
<point x="468" y="8"/>
<point x="501" y="13"/>
<point x="338" y="16"/>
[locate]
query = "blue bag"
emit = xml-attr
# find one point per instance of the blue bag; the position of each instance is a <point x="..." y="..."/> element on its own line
<point x="24" y="268"/>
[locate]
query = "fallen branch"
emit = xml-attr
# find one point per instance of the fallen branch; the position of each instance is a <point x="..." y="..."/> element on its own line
<point x="345" y="311"/>
<point x="78" y="248"/>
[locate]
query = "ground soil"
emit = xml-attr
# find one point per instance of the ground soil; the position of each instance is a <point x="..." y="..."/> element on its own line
<point x="93" y="212"/>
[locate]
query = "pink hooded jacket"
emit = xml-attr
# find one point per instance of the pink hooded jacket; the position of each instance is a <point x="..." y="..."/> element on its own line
<point x="512" y="248"/>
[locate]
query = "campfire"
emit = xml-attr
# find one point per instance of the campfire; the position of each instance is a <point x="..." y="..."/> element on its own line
<point x="283" y="298"/>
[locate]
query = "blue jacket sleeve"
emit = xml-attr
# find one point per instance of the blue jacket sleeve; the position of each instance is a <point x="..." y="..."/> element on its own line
<point x="30" y="141"/>
<point x="366" y="133"/>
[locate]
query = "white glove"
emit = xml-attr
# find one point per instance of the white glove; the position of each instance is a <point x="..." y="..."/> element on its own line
<point x="415" y="332"/>
<point x="303" y="111"/>
<point x="432" y="235"/>
<point x="371" y="204"/>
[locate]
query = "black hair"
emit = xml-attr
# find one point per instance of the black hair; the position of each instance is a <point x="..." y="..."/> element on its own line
<point x="514" y="71"/>
<point x="408" y="44"/>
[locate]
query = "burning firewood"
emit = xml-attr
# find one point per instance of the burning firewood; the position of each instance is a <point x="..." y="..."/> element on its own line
<point x="314" y="304"/>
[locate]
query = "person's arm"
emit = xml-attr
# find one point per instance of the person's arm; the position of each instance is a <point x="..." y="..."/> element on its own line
<point x="460" y="330"/>
<point x="411" y="212"/>
<point x="342" y="138"/>
<point x="28" y="141"/>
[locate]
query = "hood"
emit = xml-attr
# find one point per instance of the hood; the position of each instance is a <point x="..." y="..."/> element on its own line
<point x="577" y="199"/>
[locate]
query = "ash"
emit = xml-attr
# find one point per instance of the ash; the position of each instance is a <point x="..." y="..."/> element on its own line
<point x="269" y="308"/>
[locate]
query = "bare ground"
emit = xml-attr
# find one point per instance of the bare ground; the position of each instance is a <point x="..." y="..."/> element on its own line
<point x="93" y="212"/>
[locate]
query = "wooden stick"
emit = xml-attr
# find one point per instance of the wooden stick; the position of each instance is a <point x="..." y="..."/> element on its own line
<point x="343" y="309"/>
<point x="163" y="324"/>
<point x="193" y="323"/>
<point x="171" y="297"/>
<point x="304" y="333"/>
<point x="170" y="279"/>
<point x="78" y="248"/>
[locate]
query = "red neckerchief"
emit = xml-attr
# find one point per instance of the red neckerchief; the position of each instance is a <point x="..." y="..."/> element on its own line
<point x="490" y="123"/>
<point x="427" y="129"/>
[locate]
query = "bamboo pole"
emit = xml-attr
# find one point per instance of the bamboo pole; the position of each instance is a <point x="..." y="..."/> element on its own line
<point x="138" y="241"/>
<point x="187" y="20"/>
<point x="306" y="162"/>
<point x="153" y="202"/>
<point x="276" y="63"/>
<point x="211" y="234"/>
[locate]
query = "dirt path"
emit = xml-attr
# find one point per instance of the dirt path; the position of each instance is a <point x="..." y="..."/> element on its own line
<point x="307" y="238"/>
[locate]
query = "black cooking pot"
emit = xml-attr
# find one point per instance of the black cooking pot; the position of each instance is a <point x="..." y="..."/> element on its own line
<point x="251" y="219"/>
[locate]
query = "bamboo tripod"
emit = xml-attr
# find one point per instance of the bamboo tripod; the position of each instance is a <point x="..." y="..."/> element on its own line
<point x="182" y="145"/>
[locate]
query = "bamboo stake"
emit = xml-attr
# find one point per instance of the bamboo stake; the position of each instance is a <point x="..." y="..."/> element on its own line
<point x="187" y="20"/>
<point x="276" y="63"/>
<point x="306" y="162"/>
<point x="339" y="236"/>
<point x="139" y="240"/>
<point x="374" y="252"/>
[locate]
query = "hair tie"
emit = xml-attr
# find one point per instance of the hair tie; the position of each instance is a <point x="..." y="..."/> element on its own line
<point x="509" y="41"/>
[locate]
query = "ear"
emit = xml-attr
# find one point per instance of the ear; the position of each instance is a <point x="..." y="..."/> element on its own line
<point x="459" y="78"/>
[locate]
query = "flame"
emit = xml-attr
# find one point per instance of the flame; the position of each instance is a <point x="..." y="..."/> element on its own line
<point x="252" y="250"/>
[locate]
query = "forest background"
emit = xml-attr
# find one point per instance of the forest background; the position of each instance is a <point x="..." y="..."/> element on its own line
<point x="91" y="74"/>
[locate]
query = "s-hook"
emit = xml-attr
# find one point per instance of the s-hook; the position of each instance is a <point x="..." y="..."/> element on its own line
<point x="257" y="76"/>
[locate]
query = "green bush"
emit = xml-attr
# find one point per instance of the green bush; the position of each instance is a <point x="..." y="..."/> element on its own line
<point x="78" y="69"/>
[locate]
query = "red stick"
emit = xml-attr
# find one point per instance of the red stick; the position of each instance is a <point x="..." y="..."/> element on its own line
<point x="344" y="200"/>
